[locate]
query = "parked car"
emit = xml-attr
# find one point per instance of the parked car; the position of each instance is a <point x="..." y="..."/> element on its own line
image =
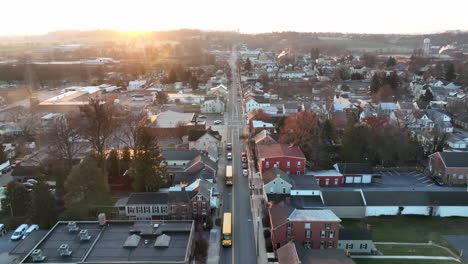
<point x="245" y="166"/>
<point x="201" y="116"/>
<point x="229" y="156"/>
<point x="245" y="172"/>
<point x="19" y="232"/>
<point x="438" y="181"/>
<point x="2" y="230"/>
<point x="30" y="230"/>
<point x="244" y="154"/>
<point x="217" y="122"/>
<point x="229" y="146"/>
<point x="244" y="159"/>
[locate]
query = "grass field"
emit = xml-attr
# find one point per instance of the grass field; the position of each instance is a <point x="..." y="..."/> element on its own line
<point x="416" y="229"/>
<point x="402" y="261"/>
<point x="404" y="250"/>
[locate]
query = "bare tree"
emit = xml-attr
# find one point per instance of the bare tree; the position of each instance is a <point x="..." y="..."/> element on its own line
<point x="65" y="141"/>
<point x="98" y="126"/>
<point x="127" y="133"/>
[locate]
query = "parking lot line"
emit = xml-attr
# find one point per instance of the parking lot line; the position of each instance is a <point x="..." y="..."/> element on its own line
<point x="430" y="185"/>
<point x="422" y="178"/>
<point x="426" y="181"/>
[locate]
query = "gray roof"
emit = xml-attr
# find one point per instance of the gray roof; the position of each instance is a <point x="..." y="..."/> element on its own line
<point x="354" y="168"/>
<point x="355" y="234"/>
<point x="180" y="154"/>
<point x="148" y="198"/>
<point x="303" y="182"/>
<point x="299" y="215"/>
<point x="342" y="198"/>
<point x="455" y="159"/>
<point x="162" y="241"/>
<point x="411" y="198"/>
<point x="132" y="241"/>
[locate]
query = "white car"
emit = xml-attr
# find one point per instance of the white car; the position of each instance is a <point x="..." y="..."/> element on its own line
<point x="30" y="230"/>
<point x="217" y="122"/>
<point x="201" y="116"/>
<point x="245" y="172"/>
<point x="229" y="156"/>
<point x="19" y="232"/>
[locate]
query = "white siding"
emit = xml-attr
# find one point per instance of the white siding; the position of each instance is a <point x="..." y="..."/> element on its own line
<point x="305" y="192"/>
<point x="416" y="210"/>
<point x="446" y="211"/>
<point x="277" y="185"/>
<point x="381" y="210"/>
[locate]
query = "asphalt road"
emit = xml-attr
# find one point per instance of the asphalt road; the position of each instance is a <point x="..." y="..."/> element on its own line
<point x="236" y="199"/>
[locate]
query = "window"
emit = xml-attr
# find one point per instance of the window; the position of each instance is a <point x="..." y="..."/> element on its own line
<point x="330" y="244"/>
<point x="289" y="225"/>
<point x="131" y="210"/>
<point x="460" y="176"/>
<point x="298" y="172"/>
<point x="327" y="225"/>
<point x="146" y="209"/>
<point x="322" y="233"/>
<point x="327" y="181"/>
<point x="298" y="164"/>
<point x="336" y="181"/>
<point x="289" y="232"/>
<point x="164" y="209"/>
<point x="155" y="209"/>
<point x="139" y="210"/>
<point x="307" y="225"/>
<point x="284" y="190"/>
<point x="349" y="246"/>
<point x="277" y="164"/>
<point x="288" y="164"/>
<point x="195" y="207"/>
<point x="332" y="234"/>
<point x="363" y="246"/>
<point x="318" y="181"/>
<point x="267" y="164"/>
<point x="203" y="206"/>
<point x="307" y="233"/>
<point x="322" y="244"/>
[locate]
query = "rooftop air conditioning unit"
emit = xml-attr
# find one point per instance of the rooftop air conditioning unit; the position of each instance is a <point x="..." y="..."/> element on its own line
<point x="83" y="235"/>
<point x="64" y="250"/>
<point x="72" y="227"/>
<point x="37" y="256"/>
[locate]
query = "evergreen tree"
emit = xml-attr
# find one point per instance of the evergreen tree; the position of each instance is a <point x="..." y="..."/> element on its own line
<point x="113" y="164"/>
<point x="43" y="210"/>
<point x="376" y="83"/>
<point x="172" y="77"/>
<point x="3" y="157"/>
<point x="328" y="132"/>
<point x="426" y="98"/>
<point x="393" y="80"/>
<point x="149" y="171"/>
<point x="248" y="65"/>
<point x="126" y="159"/>
<point x="391" y="62"/>
<point x="17" y="199"/>
<point x="450" y="72"/>
<point x="161" y="97"/>
<point x="86" y="184"/>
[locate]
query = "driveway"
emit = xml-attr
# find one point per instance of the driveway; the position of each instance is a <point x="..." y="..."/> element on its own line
<point x="460" y="243"/>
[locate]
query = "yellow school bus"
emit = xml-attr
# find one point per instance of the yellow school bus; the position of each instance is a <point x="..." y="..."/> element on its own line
<point x="227" y="229"/>
<point x="229" y="176"/>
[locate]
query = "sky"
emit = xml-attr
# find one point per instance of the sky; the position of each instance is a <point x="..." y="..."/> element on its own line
<point x="249" y="16"/>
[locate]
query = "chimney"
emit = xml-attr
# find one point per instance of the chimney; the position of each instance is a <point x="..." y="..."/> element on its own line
<point x="288" y="200"/>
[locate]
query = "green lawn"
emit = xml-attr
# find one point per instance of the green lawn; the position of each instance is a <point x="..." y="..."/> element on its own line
<point x="402" y="261"/>
<point x="417" y="229"/>
<point x="403" y="250"/>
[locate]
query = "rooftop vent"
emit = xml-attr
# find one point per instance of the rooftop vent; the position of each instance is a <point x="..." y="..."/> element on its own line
<point x="37" y="256"/>
<point x="72" y="227"/>
<point x="132" y="241"/>
<point x="83" y="235"/>
<point x="64" y="250"/>
<point x="162" y="241"/>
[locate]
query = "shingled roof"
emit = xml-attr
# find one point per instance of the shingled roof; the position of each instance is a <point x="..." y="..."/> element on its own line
<point x="279" y="150"/>
<point x="194" y="135"/>
<point x="455" y="159"/>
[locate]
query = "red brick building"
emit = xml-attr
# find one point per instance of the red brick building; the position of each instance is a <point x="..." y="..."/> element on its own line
<point x="451" y="167"/>
<point x="289" y="159"/>
<point x="317" y="229"/>
<point x="329" y="178"/>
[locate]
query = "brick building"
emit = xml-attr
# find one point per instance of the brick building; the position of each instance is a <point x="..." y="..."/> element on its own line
<point x="317" y="229"/>
<point x="451" y="167"/>
<point x="289" y="159"/>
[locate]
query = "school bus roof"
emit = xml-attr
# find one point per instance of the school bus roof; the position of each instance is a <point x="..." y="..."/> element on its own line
<point x="227" y="222"/>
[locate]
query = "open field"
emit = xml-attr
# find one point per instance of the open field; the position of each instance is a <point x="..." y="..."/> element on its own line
<point x="407" y="250"/>
<point x="415" y="229"/>
<point x="402" y="261"/>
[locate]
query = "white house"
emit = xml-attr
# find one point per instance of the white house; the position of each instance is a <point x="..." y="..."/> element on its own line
<point x="276" y="181"/>
<point x="185" y="98"/>
<point x="135" y="85"/>
<point x="212" y="106"/>
<point x="218" y="91"/>
<point x="204" y="139"/>
<point x="255" y="103"/>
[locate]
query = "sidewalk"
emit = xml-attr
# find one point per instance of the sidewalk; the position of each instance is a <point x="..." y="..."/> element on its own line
<point x="405" y="257"/>
<point x="214" y="246"/>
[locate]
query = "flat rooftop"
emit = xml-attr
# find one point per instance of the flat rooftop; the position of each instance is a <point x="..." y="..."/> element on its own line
<point x="106" y="243"/>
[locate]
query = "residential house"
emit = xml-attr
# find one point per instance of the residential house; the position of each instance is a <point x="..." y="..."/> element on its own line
<point x="290" y="107"/>
<point x="283" y="156"/>
<point x="296" y="253"/>
<point x="356" y="241"/>
<point x="218" y="91"/>
<point x="252" y="103"/>
<point x="456" y="142"/>
<point x="355" y="172"/>
<point x="276" y="181"/>
<point x="318" y="229"/>
<point x="258" y="125"/>
<point x="214" y="105"/>
<point x="170" y="123"/>
<point x="451" y="167"/>
<point x="136" y="85"/>
<point x="264" y="137"/>
<point x="441" y="121"/>
<point x="185" y="98"/>
<point x="204" y="139"/>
